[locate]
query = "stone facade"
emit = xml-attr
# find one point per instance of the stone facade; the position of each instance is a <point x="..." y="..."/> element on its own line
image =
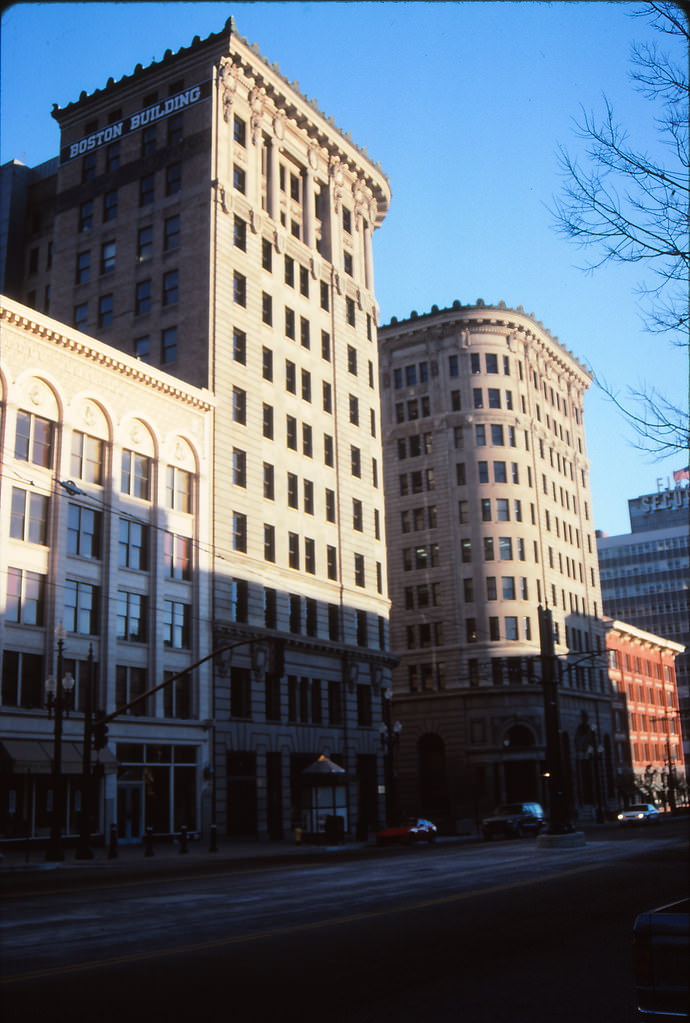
<point x="208" y="219"/>
<point x="488" y="516"/>
<point x="104" y="515"/>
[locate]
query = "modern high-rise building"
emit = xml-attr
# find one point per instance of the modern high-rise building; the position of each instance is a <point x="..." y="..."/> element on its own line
<point x="488" y="516"/>
<point x="645" y="576"/>
<point x="209" y="220"/>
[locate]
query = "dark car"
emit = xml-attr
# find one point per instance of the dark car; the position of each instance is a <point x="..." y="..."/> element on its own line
<point x="514" y="820"/>
<point x="414" y="829"/>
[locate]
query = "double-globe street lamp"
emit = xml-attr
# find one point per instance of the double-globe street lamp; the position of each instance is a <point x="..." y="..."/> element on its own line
<point x="59" y="690"/>
<point x="390" y="738"/>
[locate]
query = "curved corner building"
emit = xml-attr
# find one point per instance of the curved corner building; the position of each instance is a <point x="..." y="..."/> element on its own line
<point x="488" y="516"/>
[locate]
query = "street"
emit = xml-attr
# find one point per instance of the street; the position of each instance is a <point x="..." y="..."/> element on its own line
<point x="475" y="932"/>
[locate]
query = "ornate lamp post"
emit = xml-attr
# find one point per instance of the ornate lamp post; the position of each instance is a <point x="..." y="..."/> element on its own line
<point x="390" y="737"/>
<point x="58" y="697"/>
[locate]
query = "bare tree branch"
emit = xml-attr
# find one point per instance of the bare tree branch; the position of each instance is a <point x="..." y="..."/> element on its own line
<point x="625" y="205"/>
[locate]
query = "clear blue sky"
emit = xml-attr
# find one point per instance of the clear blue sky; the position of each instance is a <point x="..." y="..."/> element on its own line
<point x="464" y="105"/>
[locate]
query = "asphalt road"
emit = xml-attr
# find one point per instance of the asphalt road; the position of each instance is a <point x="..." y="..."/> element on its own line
<point x="479" y="933"/>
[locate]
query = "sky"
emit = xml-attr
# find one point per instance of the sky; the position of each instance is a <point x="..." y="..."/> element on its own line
<point x="464" y="105"/>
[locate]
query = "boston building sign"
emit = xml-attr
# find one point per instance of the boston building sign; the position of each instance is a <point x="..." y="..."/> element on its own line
<point x="140" y="119"/>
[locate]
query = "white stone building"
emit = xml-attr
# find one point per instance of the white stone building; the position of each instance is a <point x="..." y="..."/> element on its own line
<point x="105" y="525"/>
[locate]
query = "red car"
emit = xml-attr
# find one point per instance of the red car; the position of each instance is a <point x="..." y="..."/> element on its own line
<point x="414" y="829"/>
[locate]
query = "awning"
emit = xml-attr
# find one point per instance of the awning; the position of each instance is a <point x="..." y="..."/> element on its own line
<point x="31" y="756"/>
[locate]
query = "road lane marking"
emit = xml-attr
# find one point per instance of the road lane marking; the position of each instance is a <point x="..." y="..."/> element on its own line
<point x="278" y="932"/>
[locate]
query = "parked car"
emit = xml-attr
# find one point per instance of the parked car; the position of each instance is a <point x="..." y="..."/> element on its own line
<point x="639" y="813"/>
<point x="514" y="820"/>
<point x="661" y="945"/>
<point x="414" y="829"/>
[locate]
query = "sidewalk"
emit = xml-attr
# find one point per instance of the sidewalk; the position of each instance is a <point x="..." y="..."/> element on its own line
<point x="167" y="858"/>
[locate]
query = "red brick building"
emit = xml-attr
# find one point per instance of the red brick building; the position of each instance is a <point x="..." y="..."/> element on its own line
<point x="647" y="721"/>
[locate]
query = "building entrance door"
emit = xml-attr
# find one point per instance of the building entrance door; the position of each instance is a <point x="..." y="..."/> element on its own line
<point x="130" y="811"/>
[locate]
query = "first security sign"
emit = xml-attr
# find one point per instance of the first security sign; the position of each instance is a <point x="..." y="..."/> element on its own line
<point x="149" y="115"/>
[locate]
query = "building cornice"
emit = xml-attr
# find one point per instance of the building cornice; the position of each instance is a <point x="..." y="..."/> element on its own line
<point x="631" y="632"/>
<point x="481" y="317"/>
<point x="52" y="332"/>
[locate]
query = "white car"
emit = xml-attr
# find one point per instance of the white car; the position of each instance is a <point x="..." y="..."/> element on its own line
<point x="639" y="813"/>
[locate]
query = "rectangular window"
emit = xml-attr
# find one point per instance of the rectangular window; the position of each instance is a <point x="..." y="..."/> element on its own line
<point x="29" y="516"/>
<point x="83" y="270"/>
<point x="291" y="432"/>
<point x="239" y="405"/>
<point x="267" y="420"/>
<point x="266" y="308"/>
<point x="171" y="289"/>
<point x="171" y="233"/>
<point x="25" y="597"/>
<point x="328" y="450"/>
<point x="239" y="131"/>
<point x="269" y="542"/>
<point x="331" y="562"/>
<point x="86" y="462"/>
<point x="239" y="346"/>
<point x="34" y="440"/>
<point x="173" y="179"/>
<point x="239" y="532"/>
<point x="142" y="298"/>
<point x="146" y="190"/>
<point x="131" y="683"/>
<point x="84" y="532"/>
<point x="144" y="244"/>
<point x="132" y="616"/>
<point x="108" y="254"/>
<point x="239" y="236"/>
<point x="269" y="482"/>
<point x="239" y="467"/>
<point x="135" y="478"/>
<point x="86" y="216"/>
<point x="330" y="505"/>
<point x="169" y="345"/>
<point x="80" y="608"/>
<point x="267" y="363"/>
<point x="266" y="254"/>
<point x="307" y="441"/>
<point x="177" y="556"/>
<point x="292" y="490"/>
<point x="293" y="550"/>
<point x="110" y="207"/>
<point x="178" y="489"/>
<point x="239" y="288"/>
<point x="176" y="624"/>
<point x="309" y="555"/>
<point x="355" y="461"/>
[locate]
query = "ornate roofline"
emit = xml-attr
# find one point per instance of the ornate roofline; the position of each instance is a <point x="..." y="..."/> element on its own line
<point x="12" y="313"/>
<point x="487" y="315"/>
<point x="228" y="30"/>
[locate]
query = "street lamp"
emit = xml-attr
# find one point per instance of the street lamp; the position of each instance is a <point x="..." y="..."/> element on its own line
<point x="58" y="697"/>
<point x="390" y="737"/>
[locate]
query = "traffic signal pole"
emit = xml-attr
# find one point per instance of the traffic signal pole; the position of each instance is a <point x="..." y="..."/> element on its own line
<point x="560" y="822"/>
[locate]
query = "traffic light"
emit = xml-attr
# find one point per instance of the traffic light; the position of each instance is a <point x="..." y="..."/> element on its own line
<point x="100" y="731"/>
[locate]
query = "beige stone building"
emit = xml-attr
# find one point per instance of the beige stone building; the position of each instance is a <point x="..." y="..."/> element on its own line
<point x="488" y="516"/>
<point x="207" y="219"/>
<point x="106" y="528"/>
